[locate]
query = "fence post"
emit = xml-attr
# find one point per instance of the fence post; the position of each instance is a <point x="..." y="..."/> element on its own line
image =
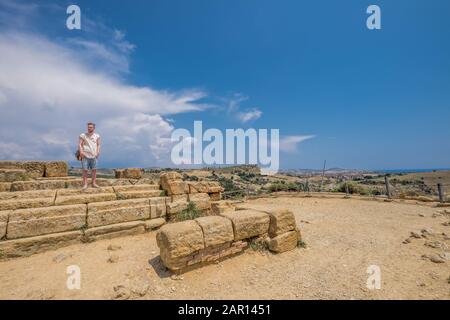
<point x="388" y="188"/>
<point x="441" y="193"/>
<point x="346" y="189"/>
<point x="307" y="185"/>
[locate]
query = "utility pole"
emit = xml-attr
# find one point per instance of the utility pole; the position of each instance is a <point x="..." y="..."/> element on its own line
<point x="323" y="174"/>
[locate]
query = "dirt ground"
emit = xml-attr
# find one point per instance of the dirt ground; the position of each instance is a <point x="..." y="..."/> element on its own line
<point x="343" y="238"/>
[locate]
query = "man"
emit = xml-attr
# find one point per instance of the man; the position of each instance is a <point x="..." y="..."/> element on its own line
<point x="89" y="148"/>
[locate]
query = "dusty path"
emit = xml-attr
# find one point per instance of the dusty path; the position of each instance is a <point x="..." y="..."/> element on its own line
<point x="344" y="237"/>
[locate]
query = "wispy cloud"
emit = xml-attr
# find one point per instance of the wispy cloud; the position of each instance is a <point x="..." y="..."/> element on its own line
<point x="249" y="115"/>
<point x="290" y="144"/>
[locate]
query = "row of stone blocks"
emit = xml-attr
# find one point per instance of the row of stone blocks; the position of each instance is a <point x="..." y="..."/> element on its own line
<point x="23" y="170"/>
<point x="201" y="193"/>
<point x="27" y="231"/>
<point x="65" y="183"/>
<point x="193" y="243"/>
<point x="47" y="198"/>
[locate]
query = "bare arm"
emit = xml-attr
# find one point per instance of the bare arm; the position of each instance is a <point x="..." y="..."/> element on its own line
<point x="98" y="147"/>
<point x="80" y="146"/>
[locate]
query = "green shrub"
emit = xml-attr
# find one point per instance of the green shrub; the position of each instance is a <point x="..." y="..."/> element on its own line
<point x="190" y="213"/>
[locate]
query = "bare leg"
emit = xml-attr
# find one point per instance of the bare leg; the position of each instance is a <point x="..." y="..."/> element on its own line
<point x="94" y="178"/>
<point x="85" y="176"/>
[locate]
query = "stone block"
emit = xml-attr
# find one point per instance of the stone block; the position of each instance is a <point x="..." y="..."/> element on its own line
<point x="284" y="242"/>
<point x="39" y="221"/>
<point x="56" y="169"/>
<point x="111" y="212"/>
<point x="222" y="206"/>
<point x="201" y="200"/>
<point x="216" y="230"/>
<point x="3" y="222"/>
<point x="177" y="241"/>
<point x="10" y="175"/>
<point x="248" y="223"/>
<point x="205" y="187"/>
<point x="28" y="246"/>
<point x="281" y="221"/>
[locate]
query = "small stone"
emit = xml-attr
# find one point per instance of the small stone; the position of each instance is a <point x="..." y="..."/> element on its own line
<point x="113" y="258"/>
<point x="415" y="235"/>
<point x="176" y="277"/>
<point x="140" y="289"/>
<point x="60" y="257"/>
<point x="421" y="215"/>
<point x="121" y="292"/>
<point x="436" y="259"/>
<point x="406" y="241"/>
<point x="113" y="247"/>
<point x="445" y="256"/>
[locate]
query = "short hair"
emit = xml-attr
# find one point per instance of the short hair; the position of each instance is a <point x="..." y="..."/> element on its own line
<point x="91" y="124"/>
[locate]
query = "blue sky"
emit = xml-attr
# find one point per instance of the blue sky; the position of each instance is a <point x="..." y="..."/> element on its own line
<point x="372" y="99"/>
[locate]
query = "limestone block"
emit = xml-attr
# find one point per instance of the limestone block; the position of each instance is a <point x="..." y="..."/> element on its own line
<point x="175" y="207"/>
<point x="28" y="246"/>
<point x="27" y="194"/>
<point x="38" y="185"/>
<point x="281" y="221"/>
<point x="34" y="169"/>
<point x="119" y="173"/>
<point x="134" y="173"/>
<point x="248" y="223"/>
<point x="157" y="207"/>
<point x="220" y="207"/>
<point x="3" y="222"/>
<point x="5" y="186"/>
<point x="56" y="169"/>
<point x="39" y="221"/>
<point x="216" y="196"/>
<point x="154" y="223"/>
<point x="74" y="192"/>
<point x="141" y="187"/>
<point x="205" y="187"/>
<point x="21" y="203"/>
<point x="201" y="200"/>
<point x="284" y="242"/>
<point x="115" y="230"/>
<point x="84" y="198"/>
<point x="177" y="241"/>
<point x="216" y="230"/>
<point x="10" y="175"/>
<point x="175" y="187"/>
<point x="137" y="194"/>
<point x="111" y="212"/>
<point x="172" y="183"/>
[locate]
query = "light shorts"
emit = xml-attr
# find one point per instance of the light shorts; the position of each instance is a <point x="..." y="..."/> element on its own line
<point x="89" y="164"/>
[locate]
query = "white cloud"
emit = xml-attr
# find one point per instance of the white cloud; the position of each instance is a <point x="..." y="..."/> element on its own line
<point x="249" y="115"/>
<point x="289" y="144"/>
<point x="50" y="90"/>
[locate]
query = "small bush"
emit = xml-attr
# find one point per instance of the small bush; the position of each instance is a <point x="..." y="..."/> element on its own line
<point x="190" y="213"/>
<point x="301" y="244"/>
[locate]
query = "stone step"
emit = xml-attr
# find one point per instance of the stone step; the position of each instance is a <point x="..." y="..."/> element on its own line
<point x="84" y="198"/>
<point x="138" y="187"/>
<point x="24" y="247"/>
<point x="26" y="199"/>
<point x="138" y="194"/>
<point x="111" y="212"/>
<point x="10" y="175"/>
<point x="40" y="221"/>
<point x="73" y="192"/>
<point x="27" y="194"/>
<point x="37" y="185"/>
